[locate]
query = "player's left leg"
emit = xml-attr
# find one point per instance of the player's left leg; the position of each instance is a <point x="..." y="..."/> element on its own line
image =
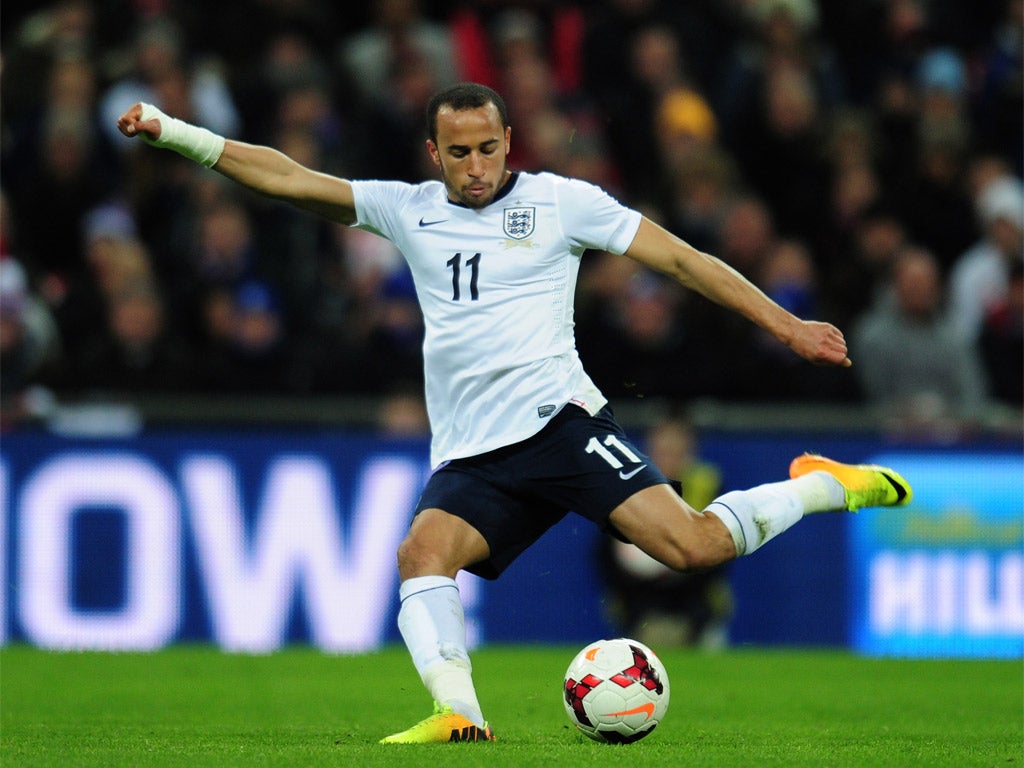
<point x="817" y="484"/>
<point x="740" y="522"/>
<point x="664" y="526"/>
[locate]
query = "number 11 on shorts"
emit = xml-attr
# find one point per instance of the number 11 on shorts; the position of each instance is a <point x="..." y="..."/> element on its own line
<point x="611" y="441"/>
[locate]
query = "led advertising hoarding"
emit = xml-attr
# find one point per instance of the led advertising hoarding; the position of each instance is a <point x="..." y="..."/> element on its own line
<point x="246" y="540"/>
<point x="945" y="577"/>
<point x="253" y="540"/>
<point x="235" y="540"/>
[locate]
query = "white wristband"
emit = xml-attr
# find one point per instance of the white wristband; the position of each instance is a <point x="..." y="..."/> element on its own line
<point x="199" y="144"/>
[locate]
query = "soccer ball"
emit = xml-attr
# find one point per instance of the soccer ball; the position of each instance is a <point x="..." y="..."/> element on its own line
<point x="616" y="691"/>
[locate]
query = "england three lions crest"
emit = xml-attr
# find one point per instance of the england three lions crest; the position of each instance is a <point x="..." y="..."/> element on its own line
<point x="519" y="222"/>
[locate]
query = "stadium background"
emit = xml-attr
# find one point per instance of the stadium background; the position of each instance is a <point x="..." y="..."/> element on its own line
<point x="162" y="330"/>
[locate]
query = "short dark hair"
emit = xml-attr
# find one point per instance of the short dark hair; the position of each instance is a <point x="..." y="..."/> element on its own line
<point x="464" y="96"/>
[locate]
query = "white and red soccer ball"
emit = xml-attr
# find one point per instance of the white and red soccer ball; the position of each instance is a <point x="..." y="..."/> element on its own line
<point x="616" y="691"/>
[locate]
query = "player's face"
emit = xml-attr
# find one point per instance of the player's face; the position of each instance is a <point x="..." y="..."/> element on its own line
<point x="471" y="151"/>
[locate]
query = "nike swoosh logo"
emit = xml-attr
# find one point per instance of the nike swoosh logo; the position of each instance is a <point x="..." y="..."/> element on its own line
<point x="627" y="475"/>
<point x="901" y="492"/>
<point x="431" y="223"/>
<point x="647" y="708"/>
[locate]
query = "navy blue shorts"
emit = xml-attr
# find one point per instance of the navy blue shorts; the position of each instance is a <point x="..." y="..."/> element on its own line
<point x="579" y="463"/>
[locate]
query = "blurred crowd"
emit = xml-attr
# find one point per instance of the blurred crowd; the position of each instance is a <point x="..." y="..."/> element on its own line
<point x="861" y="162"/>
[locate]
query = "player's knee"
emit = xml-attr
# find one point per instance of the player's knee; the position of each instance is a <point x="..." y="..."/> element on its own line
<point x="439" y="544"/>
<point x="693" y="553"/>
<point x="683" y="558"/>
<point x="418" y="556"/>
<point x="414" y="558"/>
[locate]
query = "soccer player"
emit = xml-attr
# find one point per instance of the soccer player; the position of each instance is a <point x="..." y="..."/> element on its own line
<point x="520" y="434"/>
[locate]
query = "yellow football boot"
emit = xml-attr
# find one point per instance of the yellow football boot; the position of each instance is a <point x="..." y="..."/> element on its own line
<point x="444" y="725"/>
<point x="866" y="485"/>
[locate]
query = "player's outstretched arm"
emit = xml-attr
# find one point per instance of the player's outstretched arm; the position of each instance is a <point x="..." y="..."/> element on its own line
<point x="262" y="169"/>
<point x="821" y="343"/>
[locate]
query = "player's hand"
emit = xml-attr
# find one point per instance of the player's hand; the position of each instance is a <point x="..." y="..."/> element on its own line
<point x="821" y="343"/>
<point x="131" y="124"/>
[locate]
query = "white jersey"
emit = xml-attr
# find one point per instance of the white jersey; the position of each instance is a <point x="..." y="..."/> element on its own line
<point x="496" y="286"/>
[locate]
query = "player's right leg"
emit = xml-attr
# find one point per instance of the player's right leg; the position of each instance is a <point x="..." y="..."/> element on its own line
<point x="445" y="725"/>
<point x="432" y="624"/>
<point x="468" y="519"/>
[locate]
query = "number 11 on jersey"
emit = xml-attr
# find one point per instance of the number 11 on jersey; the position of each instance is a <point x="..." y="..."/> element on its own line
<point x="455" y="262"/>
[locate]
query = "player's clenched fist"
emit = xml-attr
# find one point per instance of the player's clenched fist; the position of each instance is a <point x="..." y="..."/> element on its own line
<point x="131" y="123"/>
<point x="160" y="130"/>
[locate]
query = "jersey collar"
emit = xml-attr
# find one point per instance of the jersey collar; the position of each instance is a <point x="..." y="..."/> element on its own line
<point x="503" y="192"/>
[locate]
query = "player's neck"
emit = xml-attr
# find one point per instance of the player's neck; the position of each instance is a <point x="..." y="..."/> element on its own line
<point x="507" y="183"/>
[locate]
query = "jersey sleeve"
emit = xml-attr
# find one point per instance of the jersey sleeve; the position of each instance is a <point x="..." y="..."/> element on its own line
<point x="591" y="218"/>
<point x="377" y="205"/>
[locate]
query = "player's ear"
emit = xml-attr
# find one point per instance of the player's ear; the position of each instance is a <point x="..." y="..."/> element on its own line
<point x="508" y="138"/>
<point x="435" y="154"/>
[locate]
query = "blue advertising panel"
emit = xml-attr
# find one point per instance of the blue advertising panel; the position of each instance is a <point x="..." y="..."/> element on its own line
<point x="793" y="590"/>
<point x="946" y="576"/>
<point x="246" y="540"/>
<point x="253" y="540"/>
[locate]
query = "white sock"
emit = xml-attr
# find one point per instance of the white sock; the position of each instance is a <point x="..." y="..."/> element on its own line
<point x="757" y="515"/>
<point x="820" y="492"/>
<point x="433" y="626"/>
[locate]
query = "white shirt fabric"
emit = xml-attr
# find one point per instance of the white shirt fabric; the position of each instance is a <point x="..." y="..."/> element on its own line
<point x="496" y="286"/>
<point x="979" y="280"/>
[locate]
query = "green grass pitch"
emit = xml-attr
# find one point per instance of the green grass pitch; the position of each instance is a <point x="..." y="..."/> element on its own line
<point x="195" y="706"/>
